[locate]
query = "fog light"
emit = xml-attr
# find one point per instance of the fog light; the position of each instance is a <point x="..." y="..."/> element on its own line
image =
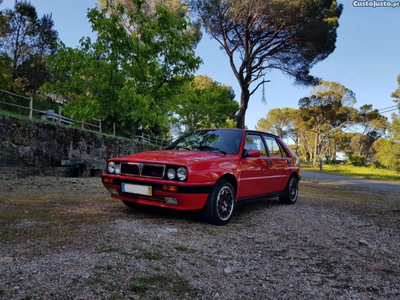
<point x="170" y="200"/>
<point x="113" y="191"/>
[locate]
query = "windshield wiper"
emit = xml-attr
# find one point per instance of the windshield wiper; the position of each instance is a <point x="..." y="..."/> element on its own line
<point x="211" y="148"/>
<point x="177" y="147"/>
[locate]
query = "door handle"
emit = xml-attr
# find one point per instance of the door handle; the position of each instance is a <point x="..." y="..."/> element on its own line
<point x="289" y="161"/>
<point x="269" y="162"/>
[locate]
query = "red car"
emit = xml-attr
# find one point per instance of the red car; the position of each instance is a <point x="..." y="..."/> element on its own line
<point x="213" y="170"/>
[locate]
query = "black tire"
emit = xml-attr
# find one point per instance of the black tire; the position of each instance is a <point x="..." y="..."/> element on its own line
<point x="291" y="191"/>
<point x="220" y="204"/>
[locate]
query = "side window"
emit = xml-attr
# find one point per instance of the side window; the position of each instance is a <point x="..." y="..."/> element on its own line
<point x="273" y="146"/>
<point x="255" y="142"/>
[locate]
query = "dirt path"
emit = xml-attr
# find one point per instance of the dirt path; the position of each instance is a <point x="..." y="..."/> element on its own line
<point x="66" y="239"/>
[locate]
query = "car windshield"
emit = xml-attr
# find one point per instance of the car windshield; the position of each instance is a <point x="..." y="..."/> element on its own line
<point x="215" y="140"/>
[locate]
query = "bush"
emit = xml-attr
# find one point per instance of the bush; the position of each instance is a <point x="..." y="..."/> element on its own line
<point x="357" y="160"/>
<point x="329" y="160"/>
<point x="388" y="153"/>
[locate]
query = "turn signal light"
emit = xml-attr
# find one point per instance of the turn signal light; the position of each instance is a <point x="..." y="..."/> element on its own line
<point x="108" y="180"/>
<point x="170" y="188"/>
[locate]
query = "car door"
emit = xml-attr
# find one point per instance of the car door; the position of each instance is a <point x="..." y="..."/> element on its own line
<point x="255" y="173"/>
<point x="279" y="162"/>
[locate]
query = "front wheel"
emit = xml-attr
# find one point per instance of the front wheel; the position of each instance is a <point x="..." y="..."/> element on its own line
<point x="220" y="205"/>
<point x="291" y="191"/>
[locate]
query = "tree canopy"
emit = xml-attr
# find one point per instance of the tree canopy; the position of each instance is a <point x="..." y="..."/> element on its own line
<point x="326" y="111"/>
<point x="132" y="77"/>
<point x="205" y="103"/>
<point x="26" y="41"/>
<point x="262" y="35"/>
<point x="396" y="93"/>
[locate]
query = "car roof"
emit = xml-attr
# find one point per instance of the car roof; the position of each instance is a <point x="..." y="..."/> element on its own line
<point x="239" y="129"/>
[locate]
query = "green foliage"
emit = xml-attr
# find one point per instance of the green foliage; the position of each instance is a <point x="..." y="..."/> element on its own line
<point x="129" y="77"/>
<point x="360" y="172"/>
<point x="290" y="36"/>
<point x="372" y="122"/>
<point x="394" y="128"/>
<point x="396" y="93"/>
<point x="357" y="160"/>
<point x="27" y="40"/>
<point x="279" y="121"/>
<point x="205" y="103"/>
<point x="388" y="153"/>
<point x="6" y="79"/>
<point x="178" y="8"/>
<point x="325" y="112"/>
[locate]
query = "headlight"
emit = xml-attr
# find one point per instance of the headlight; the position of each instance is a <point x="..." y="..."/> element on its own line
<point x="181" y="173"/>
<point x="111" y="167"/>
<point x="118" y="168"/>
<point x="171" y="173"/>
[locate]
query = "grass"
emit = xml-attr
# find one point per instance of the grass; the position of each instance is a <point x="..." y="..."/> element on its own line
<point x="75" y="126"/>
<point x="180" y="248"/>
<point x="149" y="255"/>
<point x="35" y="214"/>
<point x="93" y="281"/>
<point x="358" y="172"/>
<point x="17" y="115"/>
<point x="175" y="284"/>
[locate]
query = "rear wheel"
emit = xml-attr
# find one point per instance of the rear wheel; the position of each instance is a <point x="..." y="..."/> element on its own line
<point x="291" y="191"/>
<point x="220" y="205"/>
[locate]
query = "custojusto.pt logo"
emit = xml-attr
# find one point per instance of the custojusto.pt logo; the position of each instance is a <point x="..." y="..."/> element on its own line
<point x="376" y="4"/>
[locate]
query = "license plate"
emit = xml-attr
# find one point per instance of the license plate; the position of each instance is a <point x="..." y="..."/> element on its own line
<point x="136" y="189"/>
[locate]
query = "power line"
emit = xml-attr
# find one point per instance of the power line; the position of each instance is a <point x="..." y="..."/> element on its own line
<point x="389" y="107"/>
<point x="393" y="109"/>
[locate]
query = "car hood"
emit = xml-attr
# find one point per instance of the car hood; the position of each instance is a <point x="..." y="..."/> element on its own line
<point x="180" y="157"/>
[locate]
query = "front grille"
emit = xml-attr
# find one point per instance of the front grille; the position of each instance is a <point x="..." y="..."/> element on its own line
<point x="129" y="169"/>
<point x="153" y="171"/>
<point x="142" y="169"/>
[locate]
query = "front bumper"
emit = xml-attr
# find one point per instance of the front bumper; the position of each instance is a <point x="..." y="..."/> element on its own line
<point x="188" y="196"/>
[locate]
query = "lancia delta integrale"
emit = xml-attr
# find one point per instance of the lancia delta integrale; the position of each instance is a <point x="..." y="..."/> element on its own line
<point x="211" y="170"/>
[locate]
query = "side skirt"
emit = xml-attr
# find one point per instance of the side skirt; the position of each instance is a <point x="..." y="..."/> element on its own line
<point x="258" y="198"/>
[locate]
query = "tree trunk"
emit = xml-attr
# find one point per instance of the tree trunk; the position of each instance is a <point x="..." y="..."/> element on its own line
<point x="315" y="154"/>
<point x="244" y="101"/>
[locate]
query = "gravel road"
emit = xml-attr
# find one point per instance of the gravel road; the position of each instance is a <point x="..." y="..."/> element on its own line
<point x="374" y="185"/>
<point x="64" y="238"/>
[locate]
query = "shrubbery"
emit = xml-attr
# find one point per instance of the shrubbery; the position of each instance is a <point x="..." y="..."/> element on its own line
<point x="357" y="160"/>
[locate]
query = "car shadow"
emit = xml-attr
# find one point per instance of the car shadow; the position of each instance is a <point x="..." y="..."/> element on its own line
<point x="245" y="209"/>
<point x="165" y="215"/>
<point x="162" y="215"/>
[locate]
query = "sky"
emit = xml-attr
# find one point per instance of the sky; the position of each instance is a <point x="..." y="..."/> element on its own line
<point x="366" y="59"/>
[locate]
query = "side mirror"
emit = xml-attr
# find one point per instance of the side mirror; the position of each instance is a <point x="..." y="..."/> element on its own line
<point x="253" y="153"/>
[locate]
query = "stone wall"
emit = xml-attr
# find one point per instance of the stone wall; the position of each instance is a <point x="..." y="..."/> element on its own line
<point x="34" y="148"/>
